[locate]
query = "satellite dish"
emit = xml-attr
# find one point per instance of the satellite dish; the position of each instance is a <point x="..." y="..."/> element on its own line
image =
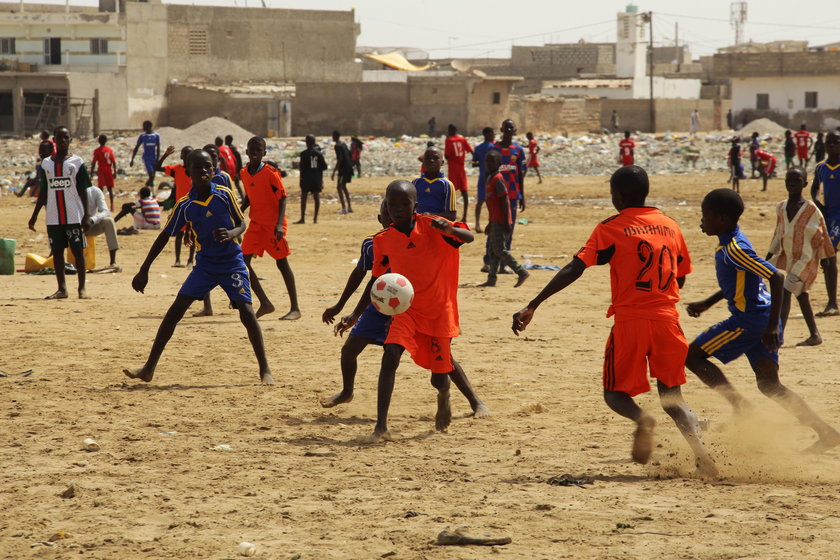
<point x="479" y="73"/>
<point x="460" y="65"/>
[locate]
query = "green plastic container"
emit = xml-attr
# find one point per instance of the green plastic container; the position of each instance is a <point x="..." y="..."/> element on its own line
<point x="7" y="256"/>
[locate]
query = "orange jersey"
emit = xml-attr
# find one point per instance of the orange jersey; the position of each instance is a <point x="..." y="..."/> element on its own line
<point x="183" y="183"/>
<point x="647" y="253"/>
<point x="264" y="190"/>
<point x="431" y="261"/>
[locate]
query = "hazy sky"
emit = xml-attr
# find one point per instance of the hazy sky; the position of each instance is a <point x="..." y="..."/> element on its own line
<point x="471" y="28"/>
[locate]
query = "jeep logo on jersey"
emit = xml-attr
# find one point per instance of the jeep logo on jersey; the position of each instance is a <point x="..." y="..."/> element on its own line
<point x="62" y="183"/>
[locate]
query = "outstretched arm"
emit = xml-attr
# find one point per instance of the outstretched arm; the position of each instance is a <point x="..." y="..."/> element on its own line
<point x="697" y="308"/>
<point x="160" y="160"/>
<point x="353" y="283"/>
<point x="567" y="275"/>
<point x="463" y="235"/>
<point x="142" y="277"/>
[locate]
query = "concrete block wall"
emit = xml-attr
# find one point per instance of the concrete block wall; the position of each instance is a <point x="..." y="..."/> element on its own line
<point x="555" y="115"/>
<point x="671" y="114"/>
<point x="804" y="63"/>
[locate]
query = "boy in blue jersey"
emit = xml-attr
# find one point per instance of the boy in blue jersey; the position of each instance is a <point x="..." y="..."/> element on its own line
<point x="753" y="328"/>
<point x="478" y="160"/>
<point x="827" y="175"/>
<point x="150" y="141"/>
<point x="214" y="216"/>
<point x="371" y="327"/>
<point x="435" y="193"/>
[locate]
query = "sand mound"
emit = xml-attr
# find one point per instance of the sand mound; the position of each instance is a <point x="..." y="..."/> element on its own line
<point x="203" y="132"/>
<point x="763" y="127"/>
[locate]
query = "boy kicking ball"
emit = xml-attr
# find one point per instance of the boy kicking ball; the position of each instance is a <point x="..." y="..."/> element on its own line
<point x="213" y="215"/>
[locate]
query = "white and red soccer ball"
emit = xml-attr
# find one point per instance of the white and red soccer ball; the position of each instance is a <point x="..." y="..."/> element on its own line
<point x="391" y="294"/>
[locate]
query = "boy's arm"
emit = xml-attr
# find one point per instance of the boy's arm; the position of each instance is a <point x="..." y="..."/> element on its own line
<point x="567" y="275"/>
<point x="246" y="202"/>
<point x="521" y="170"/>
<point x="159" y="163"/>
<point x="42" y="199"/>
<point x="134" y="153"/>
<point x="353" y="283"/>
<point x="815" y="192"/>
<point x="142" y="277"/>
<point x="447" y="227"/>
<point x="82" y="184"/>
<point x="278" y="227"/>
<point x="113" y="164"/>
<point x="696" y="308"/>
<point x="770" y="336"/>
<point x="350" y="320"/>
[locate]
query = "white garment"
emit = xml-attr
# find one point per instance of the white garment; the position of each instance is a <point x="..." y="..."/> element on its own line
<point x="64" y="204"/>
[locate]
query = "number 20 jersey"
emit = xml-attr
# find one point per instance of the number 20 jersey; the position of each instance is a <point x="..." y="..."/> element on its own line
<point x="646" y="253"/>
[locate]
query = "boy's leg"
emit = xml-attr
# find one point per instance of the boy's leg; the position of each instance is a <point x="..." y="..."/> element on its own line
<point x="478" y="204"/>
<point x="289" y="279"/>
<point x="303" y="195"/>
<point x="81" y="268"/>
<point x="60" y="275"/>
<point x="495" y="244"/>
<point x="266" y="306"/>
<point x="808" y="313"/>
<point x="207" y="310"/>
<point x="459" y="378"/>
<point x="351" y="349"/>
<point x="443" y="416"/>
<point x="686" y="420"/>
<point x="317" y="198"/>
<point x="785" y="313"/>
<point x="340" y="189"/>
<point x="698" y="363"/>
<point x="179" y="238"/>
<point x="506" y="259"/>
<point x="167" y="327"/>
<point x="387" y="372"/>
<point x="539" y="177"/>
<point x="347" y="197"/>
<point x="623" y="404"/>
<point x="249" y="319"/>
<point x="465" y="198"/>
<point x="829" y="267"/>
<point x="767" y="377"/>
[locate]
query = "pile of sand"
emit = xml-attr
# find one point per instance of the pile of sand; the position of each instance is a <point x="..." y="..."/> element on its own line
<point x="764" y="127"/>
<point x="201" y="133"/>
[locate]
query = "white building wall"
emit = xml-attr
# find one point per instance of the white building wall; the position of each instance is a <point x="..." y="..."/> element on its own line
<point x="787" y="93"/>
<point x="630" y="46"/>
<point x="666" y="88"/>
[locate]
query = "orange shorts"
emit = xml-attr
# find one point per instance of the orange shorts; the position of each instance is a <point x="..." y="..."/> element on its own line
<point x="429" y="352"/>
<point x="260" y="239"/>
<point x="636" y="344"/>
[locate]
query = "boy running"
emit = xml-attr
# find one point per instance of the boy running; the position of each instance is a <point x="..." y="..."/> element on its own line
<point x="312" y="167"/>
<point x="266" y="196"/>
<point x="64" y="183"/>
<point x="626" y="150"/>
<point x="150" y="141"/>
<point x="183" y="184"/>
<point x="800" y="242"/>
<point x="435" y="193"/>
<point x="212" y="214"/>
<point x="104" y="157"/>
<point x="753" y="328"/>
<point x="478" y="159"/>
<point x="648" y="264"/>
<point x="533" y="149"/>
<point x="455" y="151"/>
<point x="827" y="176"/>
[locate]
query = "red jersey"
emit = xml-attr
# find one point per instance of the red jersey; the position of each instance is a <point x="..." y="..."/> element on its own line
<point x="455" y="150"/>
<point x="532" y="153"/>
<point x="264" y="190"/>
<point x="625" y="149"/>
<point x="103" y="157"/>
<point x="647" y="253"/>
<point x="803" y="140"/>
<point x="498" y="206"/>
<point x="183" y="183"/>
<point x="764" y="156"/>
<point x="226" y="157"/>
<point x="430" y="260"/>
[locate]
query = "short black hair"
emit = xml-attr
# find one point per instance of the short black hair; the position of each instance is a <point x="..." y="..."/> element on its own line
<point x="797" y="169"/>
<point x="632" y="183"/>
<point x="487" y="130"/>
<point x="401" y="185"/>
<point x="145" y="192"/>
<point x="726" y="202"/>
<point x="102" y="139"/>
<point x="229" y="139"/>
<point x="147" y="123"/>
<point x="210" y="148"/>
<point x="258" y="139"/>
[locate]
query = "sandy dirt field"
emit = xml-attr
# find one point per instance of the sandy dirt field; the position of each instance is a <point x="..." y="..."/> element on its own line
<point x="296" y="480"/>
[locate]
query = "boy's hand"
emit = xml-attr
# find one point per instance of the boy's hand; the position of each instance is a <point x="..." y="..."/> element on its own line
<point x="169" y="151"/>
<point x="131" y="162"/>
<point x="189" y="237"/>
<point x="346" y="323"/>
<point x="521" y="319"/>
<point x="443" y="225"/>
<point x="32" y="224"/>
<point x="770" y="338"/>
<point x="329" y="314"/>
<point x="522" y="204"/>
<point x="87" y="222"/>
<point x="222" y="235"/>
<point x="696" y="308"/>
<point x="332" y="176"/>
<point x="507" y="228"/>
<point x="278" y="232"/>
<point x="140" y="280"/>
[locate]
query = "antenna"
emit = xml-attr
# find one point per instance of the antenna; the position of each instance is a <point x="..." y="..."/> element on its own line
<point x="737" y="18"/>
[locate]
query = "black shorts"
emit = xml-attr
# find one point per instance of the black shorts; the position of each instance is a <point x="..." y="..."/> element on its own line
<point x="63" y="236"/>
<point x="345" y="176"/>
<point x="314" y="189"/>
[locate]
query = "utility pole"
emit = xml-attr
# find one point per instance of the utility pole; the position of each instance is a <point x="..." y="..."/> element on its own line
<point x="650" y="71"/>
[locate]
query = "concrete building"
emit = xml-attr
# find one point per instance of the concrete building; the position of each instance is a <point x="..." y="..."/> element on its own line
<point x="787" y="86"/>
<point x="133" y="51"/>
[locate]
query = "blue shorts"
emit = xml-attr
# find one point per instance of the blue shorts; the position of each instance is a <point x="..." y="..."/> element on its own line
<point x="150" y="163"/>
<point x="233" y="280"/>
<point x="481" y="190"/>
<point x="832" y="221"/>
<point x="736" y="336"/>
<point x="372" y="325"/>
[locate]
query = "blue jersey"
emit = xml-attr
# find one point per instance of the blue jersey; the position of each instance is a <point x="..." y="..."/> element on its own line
<point x="205" y="216"/>
<point x="513" y="167"/>
<point x="829" y="177"/>
<point x="151" y="143"/>
<point x="434" y="196"/>
<point x="479" y="153"/>
<point x="222" y="179"/>
<point x="365" y="262"/>
<point x="741" y="274"/>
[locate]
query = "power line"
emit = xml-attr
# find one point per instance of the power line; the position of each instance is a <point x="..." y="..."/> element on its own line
<point x="510" y="39"/>
<point x="752" y="22"/>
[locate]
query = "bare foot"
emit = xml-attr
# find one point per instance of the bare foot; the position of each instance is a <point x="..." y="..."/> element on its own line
<point x="300" y="221"/>
<point x="190" y="264"/>
<point x="478" y="229"/>
<point x="265" y="310"/>
<point x="139" y="373"/>
<point x="338" y="398"/>
<point x="177" y="265"/>
<point x="292" y="315"/>
<point x="828" y="440"/>
<point x="266" y="378"/>
<point x="829" y="311"/>
<point x="487" y="284"/>
<point x="522" y="277"/>
<point x="203" y="313"/>
<point x="481" y="411"/>
<point x="83" y="294"/>
<point x="643" y="439"/>
<point x="59" y="294"/>
<point x="378" y="437"/>
<point x="443" y="417"/>
<point x="813" y="340"/>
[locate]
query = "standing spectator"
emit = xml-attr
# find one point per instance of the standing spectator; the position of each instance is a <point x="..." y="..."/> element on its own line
<point x="614" y="121"/>
<point x="695" y="122"/>
<point x="344" y="167"/>
<point x="312" y="167"/>
<point x="730" y="120"/>
<point x="804" y="142"/>
<point x="455" y="151"/>
<point x="819" y="148"/>
<point x="356" y="147"/>
<point x="432" y="125"/>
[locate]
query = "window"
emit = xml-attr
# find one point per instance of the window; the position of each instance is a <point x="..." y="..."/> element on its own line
<point x="762" y="101"/>
<point x="497" y="98"/>
<point x="52" y="50"/>
<point x="197" y="42"/>
<point x="99" y="46"/>
<point x="7" y="45"/>
<point x="810" y="99"/>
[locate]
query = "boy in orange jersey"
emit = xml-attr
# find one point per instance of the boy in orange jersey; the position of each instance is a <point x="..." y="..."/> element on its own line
<point x="648" y="263"/>
<point x="104" y="157"/>
<point x="179" y="175"/>
<point x="455" y="151"/>
<point x="424" y="249"/>
<point x="533" y="159"/>
<point x="266" y="196"/>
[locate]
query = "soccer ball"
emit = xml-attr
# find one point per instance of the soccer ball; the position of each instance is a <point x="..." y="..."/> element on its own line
<point x="391" y="294"/>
